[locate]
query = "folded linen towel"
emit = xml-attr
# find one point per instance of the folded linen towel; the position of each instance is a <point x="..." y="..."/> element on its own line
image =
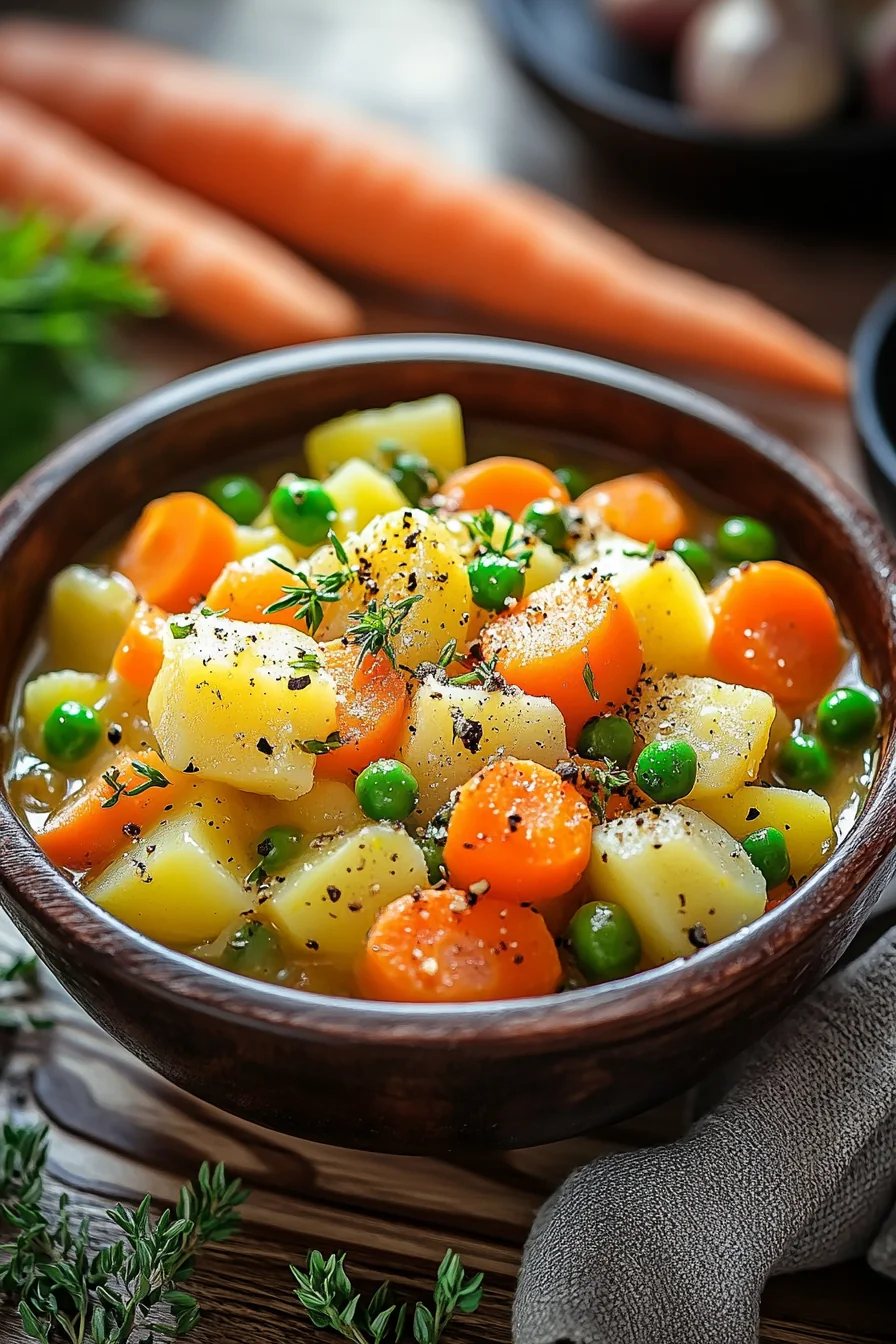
<point x="794" y="1169"/>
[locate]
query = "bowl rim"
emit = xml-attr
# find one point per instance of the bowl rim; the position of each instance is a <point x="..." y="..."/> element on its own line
<point x="876" y="325"/>
<point x="518" y="25"/>
<point x="683" y="988"/>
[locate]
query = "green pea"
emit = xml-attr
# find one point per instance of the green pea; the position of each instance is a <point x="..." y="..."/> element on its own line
<point x="696" y="557"/>
<point x="239" y="496"/>
<point x="495" y="580"/>
<point x="604" y="942"/>
<point x="574" y="479"/>
<point x="71" y="731"/>
<point x="253" y="950"/>
<point x="607" y="738"/>
<point x="387" y="791"/>
<point x="666" y="771"/>
<point x="278" y="847"/>
<point x="545" y="519"/>
<point x="740" y="539"/>
<point x="803" y="763"/>
<point x="303" y="511"/>
<point x="414" y="477"/>
<point x="847" y="716"/>
<point x="433" y="843"/>
<point x="767" y="850"/>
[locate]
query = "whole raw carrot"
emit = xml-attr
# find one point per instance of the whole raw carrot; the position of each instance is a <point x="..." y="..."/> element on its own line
<point x="363" y="196"/>
<point x="216" y="271"/>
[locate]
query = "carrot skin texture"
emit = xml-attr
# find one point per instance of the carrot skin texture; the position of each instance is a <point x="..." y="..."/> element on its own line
<point x="308" y="177"/>
<point x="214" y="270"/>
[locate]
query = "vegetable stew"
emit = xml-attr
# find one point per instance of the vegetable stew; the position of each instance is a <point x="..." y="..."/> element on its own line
<point x="415" y="728"/>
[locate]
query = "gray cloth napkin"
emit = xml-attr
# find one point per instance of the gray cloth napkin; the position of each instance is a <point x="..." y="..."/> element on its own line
<point x="794" y="1169"/>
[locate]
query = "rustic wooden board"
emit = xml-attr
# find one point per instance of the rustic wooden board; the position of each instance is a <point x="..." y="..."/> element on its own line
<point x="119" y="1131"/>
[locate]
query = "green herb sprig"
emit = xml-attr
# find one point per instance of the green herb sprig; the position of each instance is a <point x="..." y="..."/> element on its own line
<point x="18" y="992"/>
<point x="376" y="627"/>
<point x="59" y="289"/>
<point x="603" y="779"/>
<point x="152" y="779"/>
<point x="63" y="1292"/>
<point x="482" y="530"/>
<point x="325" y="1291"/>
<point x="313" y="746"/>
<point x="588" y="678"/>
<point x="484" y="673"/>
<point x="313" y="592"/>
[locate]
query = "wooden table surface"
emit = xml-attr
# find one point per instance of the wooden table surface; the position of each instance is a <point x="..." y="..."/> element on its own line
<point x="118" y="1130"/>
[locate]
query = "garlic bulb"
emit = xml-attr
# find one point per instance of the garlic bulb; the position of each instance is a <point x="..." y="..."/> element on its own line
<point x="766" y="66"/>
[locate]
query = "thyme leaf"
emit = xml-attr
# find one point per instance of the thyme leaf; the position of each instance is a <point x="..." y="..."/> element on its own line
<point x="376" y="627"/>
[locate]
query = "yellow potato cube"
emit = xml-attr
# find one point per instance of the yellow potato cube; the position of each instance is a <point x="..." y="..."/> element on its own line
<point x="228" y="702"/>
<point x="453" y="730"/>
<point x="329" y="807"/>
<point x="182" y="882"/>
<point x="45" y="693"/>
<point x="728" y="727"/>
<point x="251" y="540"/>
<point x="361" y="493"/>
<point x="88" y="613"/>
<point x="327" y="900"/>
<point x="665" y="598"/>
<point x="404" y="554"/>
<point x="432" y="427"/>
<point x="804" y="819"/>
<point x="682" y="879"/>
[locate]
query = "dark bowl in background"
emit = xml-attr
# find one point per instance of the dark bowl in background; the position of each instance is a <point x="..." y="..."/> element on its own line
<point x="874" y="398"/>
<point x="841" y="175"/>
<point x="404" y="1077"/>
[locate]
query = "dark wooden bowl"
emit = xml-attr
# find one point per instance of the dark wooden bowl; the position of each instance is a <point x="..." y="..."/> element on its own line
<point x="874" y="398"/>
<point x="402" y="1077"/>
<point x="837" y="176"/>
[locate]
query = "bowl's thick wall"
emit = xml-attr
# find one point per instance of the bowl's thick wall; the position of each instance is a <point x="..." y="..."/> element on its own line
<point x="392" y="1076"/>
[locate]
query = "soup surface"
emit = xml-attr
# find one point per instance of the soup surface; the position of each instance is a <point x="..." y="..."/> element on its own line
<point x="416" y="729"/>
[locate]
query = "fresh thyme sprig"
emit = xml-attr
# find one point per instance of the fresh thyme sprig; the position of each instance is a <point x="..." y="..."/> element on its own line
<point x="376" y="627"/>
<point x="64" y="1292"/>
<point x="482" y="529"/>
<point x="602" y="779"/>
<point x="152" y="779"/>
<point x="483" y="673"/>
<point x="313" y="591"/>
<point x="326" y="1292"/>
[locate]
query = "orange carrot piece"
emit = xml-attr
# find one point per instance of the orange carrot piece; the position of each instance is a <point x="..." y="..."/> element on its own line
<point x="139" y="654"/>
<point x="372" y="200"/>
<point x="645" y="506"/>
<point x="176" y="550"/>
<point x="84" y="834"/>
<point x="246" y="588"/>
<point x="522" y="829"/>
<point x="217" y="272"/>
<point x="435" y="947"/>
<point x="371" y="708"/>
<point x="776" y="630"/>
<point x="510" y="484"/>
<point x="547" y="644"/>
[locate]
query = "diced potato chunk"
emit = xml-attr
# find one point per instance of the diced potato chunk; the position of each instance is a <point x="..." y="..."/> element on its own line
<point x="228" y="702"/>
<point x="683" y="880"/>
<point x="251" y="540"/>
<point x="432" y="427"/>
<point x="804" y="819"/>
<point x="360" y="493"/>
<point x="728" y="727"/>
<point x="545" y="565"/>
<point x="43" y="694"/>
<point x="89" y="613"/>
<point x="329" y="807"/>
<point x="327" y="900"/>
<point x="453" y="730"/>
<point x="403" y="554"/>
<point x="665" y="598"/>
<point x="182" y="883"/>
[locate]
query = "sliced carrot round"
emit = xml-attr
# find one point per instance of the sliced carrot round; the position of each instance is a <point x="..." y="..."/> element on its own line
<point x="138" y="657"/>
<point x="84" y="834"/>
<point x="510" y="484"/>
<point x="568" y="639"/>
<point x="371" y="707"/>
<point x="246" y="588"/>
<point x="776" y="630"/>
<point x="518" y="830"/>
<point x="176" y="550"/>
<point x="438" y="947"/>
<point x="645" y="506"/>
